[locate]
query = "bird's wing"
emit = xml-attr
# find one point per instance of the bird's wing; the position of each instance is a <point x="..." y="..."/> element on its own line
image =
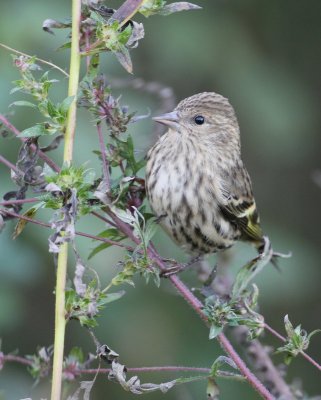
<point x="239" y="207"/>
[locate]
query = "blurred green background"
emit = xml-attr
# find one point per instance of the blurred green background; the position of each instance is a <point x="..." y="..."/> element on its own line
<point x="265" y="57"/>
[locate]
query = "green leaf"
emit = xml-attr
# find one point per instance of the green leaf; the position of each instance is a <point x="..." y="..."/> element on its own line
<point x="219" y="362"/>
<point x="247" y="273"/>
<point x="123" y="57"/>
<point x="22" y="222"/>
<point x="215" y="330"/>
<point x="77" y="354"/>
<point x="34" y="131"/>
<point x="64" y="106"/>
<point x="23" y="103"/>
<point x="298" y="340"/>
<point x="110" y="297"/>
<point x="98" y="249"/>
<point x="51" y="109"/>
<point x="288" y="326"/>
<point x="112" y="234"/>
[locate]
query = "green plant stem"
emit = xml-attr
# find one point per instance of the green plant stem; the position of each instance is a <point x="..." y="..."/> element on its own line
<point x="60" y="321"/>
<point x="73" y="80"/>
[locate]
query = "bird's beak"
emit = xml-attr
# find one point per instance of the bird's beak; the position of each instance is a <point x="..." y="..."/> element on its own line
<point x="170" y="119"/>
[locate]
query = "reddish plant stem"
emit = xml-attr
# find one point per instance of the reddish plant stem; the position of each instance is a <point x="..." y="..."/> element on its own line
<point x="169" y="368"/>
<point x="283" y="339"/>
<point x="23" y="217"/>
<point x="108" y="221"/>
<point x="13" y="358"/>
<point x="87" y="235"/>
<point x="103" y="157"/>
<point x="8" y="164"/>
<point x="22" y="201"/>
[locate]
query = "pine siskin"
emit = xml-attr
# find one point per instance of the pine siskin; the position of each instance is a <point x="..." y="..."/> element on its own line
<point x="196" y="182"/>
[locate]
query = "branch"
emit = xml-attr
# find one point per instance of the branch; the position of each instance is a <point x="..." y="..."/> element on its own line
<point x="22" y="201"/>
<point x="87" y="235"/>
<point x="8" y="164"/>
<point x="103" y="158"/>
<point x="25" y="361"/>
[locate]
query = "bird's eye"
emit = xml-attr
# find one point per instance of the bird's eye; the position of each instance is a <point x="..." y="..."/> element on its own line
<point x="199" y="120"/>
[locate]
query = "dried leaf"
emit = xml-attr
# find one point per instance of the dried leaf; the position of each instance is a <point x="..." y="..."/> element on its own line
<point x="123" y="57"/>
<point x="177" y="7"/>
<point x="22" y="222"/>
<point x="250" y="270"/>
<point x="80" y="286"/>
<point x="138" y="33"/>
<point x="87" y="387"/>
<point x="48" y="24"/>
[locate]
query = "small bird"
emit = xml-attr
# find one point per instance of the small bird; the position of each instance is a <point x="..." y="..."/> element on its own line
<point x="196" y="182"/>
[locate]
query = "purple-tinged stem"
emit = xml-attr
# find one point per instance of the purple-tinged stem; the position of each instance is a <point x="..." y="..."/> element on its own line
<point x="104" y="219"/>
<point x="8" y="164"/>
<point x="103" y="157"/>
<point x="83" y="234"/>
<point x="21" y="201"/>
<point x="170" y="368"/>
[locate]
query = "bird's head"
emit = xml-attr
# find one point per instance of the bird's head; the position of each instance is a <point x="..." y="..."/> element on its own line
<point x="205" y="115"/>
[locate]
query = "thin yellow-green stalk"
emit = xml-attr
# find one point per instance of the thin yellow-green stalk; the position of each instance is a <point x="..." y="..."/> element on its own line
<point x="60" y="321"/>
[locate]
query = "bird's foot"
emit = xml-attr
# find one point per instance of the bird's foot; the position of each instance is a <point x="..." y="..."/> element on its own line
<point x="177" y="267"/>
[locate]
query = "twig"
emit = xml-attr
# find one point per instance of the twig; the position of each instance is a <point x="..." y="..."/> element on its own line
<point x="87" y="235"/>
<point x="108" y="221"/>
<point x="8" y="164"/>
<point x="170" y="368"/>
<point x="22" y="201"/>
<point x="103" y="158"/>
<point x="37" y="58"/>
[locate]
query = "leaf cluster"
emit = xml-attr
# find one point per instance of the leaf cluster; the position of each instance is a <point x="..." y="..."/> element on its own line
<point x="38" y="89"/>
<point x="240" y="307"/>
<point x="70" y="179"/>
<point x="298" y="340"/>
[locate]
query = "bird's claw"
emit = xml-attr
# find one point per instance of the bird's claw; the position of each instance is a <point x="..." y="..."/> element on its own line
<point x="177" y="267"/>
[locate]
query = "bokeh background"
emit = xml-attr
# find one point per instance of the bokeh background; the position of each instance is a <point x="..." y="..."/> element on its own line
<point x="265" y="56"/>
